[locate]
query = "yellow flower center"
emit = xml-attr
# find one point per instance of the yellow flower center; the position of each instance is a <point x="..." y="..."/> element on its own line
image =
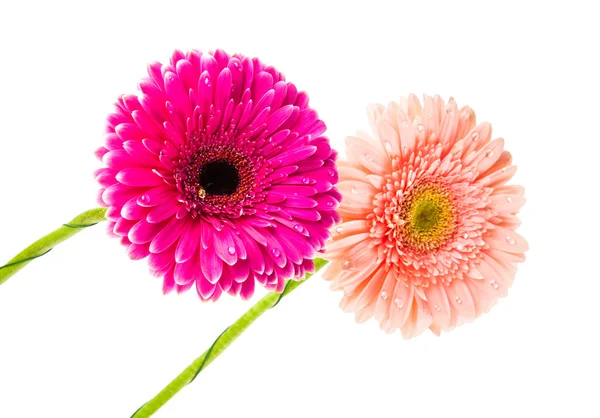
<point x="429" y="217"/>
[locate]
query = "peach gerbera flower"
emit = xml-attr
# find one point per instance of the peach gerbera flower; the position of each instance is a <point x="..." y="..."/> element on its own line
<point x="427" y="238"/>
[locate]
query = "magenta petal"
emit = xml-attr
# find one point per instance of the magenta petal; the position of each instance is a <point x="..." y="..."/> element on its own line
<point x="205" y="288"/>
<point x="157" y="196"/>
<point x="168" y="282"/>
<point x="132" y="211"/>
<point x="143" y="232"/>
<point x="167" y="236"/>
<point x="188" y="271"/>
<point x="189" y="241"/>
<point x="141" y="177"/>
<point x="247" y="289"/>
<point x="138" y="252"/>
<point x="225" y="247"/>
<point x="239" y="271"/>
<point x="164" y="211"/>
<point x="212" y="266"/>
<point x="295" y="155"/>
<point x="161" y="261"/>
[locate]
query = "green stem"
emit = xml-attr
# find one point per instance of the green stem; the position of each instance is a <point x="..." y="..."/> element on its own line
<point x="45" y="244"/>
<point x="221" y="343"/>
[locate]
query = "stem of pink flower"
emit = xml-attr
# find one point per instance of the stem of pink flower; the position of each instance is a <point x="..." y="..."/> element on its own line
<point x="221" y="343"/>
<point x="46" y="243"/>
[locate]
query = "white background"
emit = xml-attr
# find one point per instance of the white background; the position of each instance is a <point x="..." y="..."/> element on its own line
<point x="86" y="332"/>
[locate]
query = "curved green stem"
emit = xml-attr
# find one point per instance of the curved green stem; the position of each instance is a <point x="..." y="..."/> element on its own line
<point x="221" y="343"/>
<point x="46" y="243"/>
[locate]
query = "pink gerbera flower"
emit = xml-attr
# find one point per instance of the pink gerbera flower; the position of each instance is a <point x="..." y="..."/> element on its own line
<point x="428" y="235"/>
<point x="218" y="173"/>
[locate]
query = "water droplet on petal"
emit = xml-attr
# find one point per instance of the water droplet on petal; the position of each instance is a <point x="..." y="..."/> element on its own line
<point x="465" y="235"/>
<point x="305" y="180"/>
<point x="383" y="295"/>
<point x="399" y="303"/>
<point x="201" y="193"/>
<point x="420" y="128"/>
<point x="347" y="265"/>
<point x="437" y="308"/>
<point x="368" y="157"/>
<point x="207" y="81"/>
<point x="449" y="109"/>
<point x="298" y="228"/>
<point x="330" y="204"/>
<point x="494" y="284"/>
<point x="331" y="173"/>
<point x="339" y="229"/>
<point x="458" y="300"/>
<point x="231" y="250"/>
<point x="489" y="153"/>
<point x="145" y="198"/>
<point x="388" y="146"/>
<point x="276" y="252"/>
<point x="510" y="240"/>
<point x="509" y="199"/>
<point x="475" y="136"/>
<point x="354" y="191"/>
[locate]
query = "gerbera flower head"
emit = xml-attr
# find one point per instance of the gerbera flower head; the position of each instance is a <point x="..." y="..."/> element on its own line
<point x="218" y="173"/>
<point x="427" y="238"/>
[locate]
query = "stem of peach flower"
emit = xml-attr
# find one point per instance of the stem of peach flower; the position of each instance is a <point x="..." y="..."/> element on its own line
<point x="221" y="343"/>
<point x="46" y="243"/>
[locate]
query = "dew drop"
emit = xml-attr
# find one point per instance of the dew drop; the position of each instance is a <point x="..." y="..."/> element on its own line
<point x="494" y="284"/>
<point x="368" y="157"/>
<point x="475" y="136"/>
<point x="420" y="128"/>
<point x="510" y="240"/>
<point x="305" y="180"/>
<point x="509" y="199"/>
<point x="399" y="303"/>
<point x="383" y="295"/>
<point x="489" y="153"/>
<point x="276" y="252"/>
<point x="207" y="81"/>
<point x="339" y="229"/>
<point x="330" y="204"/>
<point x="388" y="146"/>
<point x="347" y="265"/>
<point x="354" y="191"/>
<point x="437" y="308"/>
<point x="231" y="250"/>
<point x="331" y="173"/>
<point x="145" y="199"/>
<point x="458" y="300"/>
<point x="449" y="109"/>
<point x="465" y="235"/>
<point x="298" y="228"/>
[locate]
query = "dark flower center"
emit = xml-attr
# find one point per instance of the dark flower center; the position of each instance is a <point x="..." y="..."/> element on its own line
<point x="219" y="178"/>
